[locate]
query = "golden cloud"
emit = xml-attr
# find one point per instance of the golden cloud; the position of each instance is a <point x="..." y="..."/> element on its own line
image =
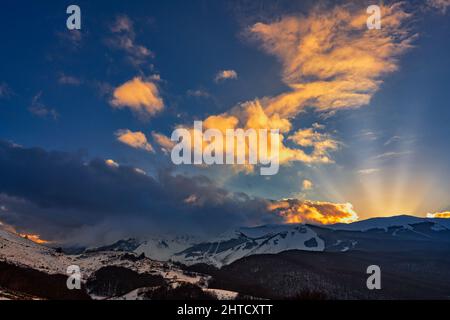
<point x="142" y="97"/>
<point x="163" y="141"/>
<point x="226" y="75"/>
<point x="445" y="215"/>
<point x="307" y="184"/>
<point x="298" y="211"/>
<point x="136" y="140"/>
<point x="330" y="59"/>
<point x="111" y="163"/>
<point x="33" y="237"/>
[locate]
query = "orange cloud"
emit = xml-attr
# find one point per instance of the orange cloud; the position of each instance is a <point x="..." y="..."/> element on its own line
<point x="298" y="211"/>
<point x="35" y="238"/>
<point x="226" y="75"/>
<point x="111" y="163"/>
<point x="445" y="215"/>
<point x="136" y="140"/>
<point x="307" y="184"/>
<point x="330" y="59"/>
<point x="163" y="141"/>
<point x="142" y="97"/>
<point x="321" y="143"/>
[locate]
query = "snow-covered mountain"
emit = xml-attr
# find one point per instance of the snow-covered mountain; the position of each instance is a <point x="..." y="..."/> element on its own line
<point x="25" y="257"/>
<point x="163" y="248"/>
<point x="371" y="234"/>
<point x="233" y="245"/>
<point x="224" y="249"/>
<point x="392" y="233"/>
<point x="149" y="262"/>
<point x="270" y="239"/>
<point x="386" y="222"/>
<point x="160" y="248"/>
<point x="23" y="252"/>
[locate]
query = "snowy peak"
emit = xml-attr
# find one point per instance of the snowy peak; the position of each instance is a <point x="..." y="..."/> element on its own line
<point x="164" y="248"/>
<point x="404" y="221"/>
<point x="270" y="239"/>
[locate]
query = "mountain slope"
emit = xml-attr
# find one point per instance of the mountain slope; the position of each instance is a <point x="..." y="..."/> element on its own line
<point x="244" y="242"/>
<point x="380" y="234"/>
<point x="163" y="248"/>
<point x="386" y="222"/>
<point x="22" y="259"/>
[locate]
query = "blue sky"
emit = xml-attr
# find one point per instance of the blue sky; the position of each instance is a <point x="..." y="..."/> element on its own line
<point x="57" y="87"/>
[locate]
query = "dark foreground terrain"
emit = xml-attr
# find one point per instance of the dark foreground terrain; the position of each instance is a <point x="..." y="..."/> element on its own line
<point x="330" y="275"/>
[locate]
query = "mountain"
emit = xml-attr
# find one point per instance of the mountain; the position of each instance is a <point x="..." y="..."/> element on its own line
<point x="273" y="261"/>
<point x="386" y="222"/>
<point x="160" y="248"/>
<point x="301" y="275"/>
<point x="386" y="233"/>
<point x="36" y="271"/>
<point x="383" y="234"/>
<point x="126" y="245"/>
<point x="164" y="248"/>
<point x="244" y="242"/>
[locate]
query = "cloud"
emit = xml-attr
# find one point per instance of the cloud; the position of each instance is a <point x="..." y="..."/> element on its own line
<point x="5" y="91"/>
<point x="393" y="140"/>
<point x="112" y="163"/>
<point x="68" y="80"/>
<point x="199" y="93"/>
<point x="309" y="145"/>
<point x="140" y="171"/>
<point x="163" y="141"/>
<point x="225" y="75"/>
<point x="445" y="215"/>
<point x="321" y="143"/>
<point x="65" y="198"/>
<point x="136" y="140"/>
<point x="330" y="59"/>
<point x="391" y="154"/>
<point x="368" y="171"/>
<point x="41" y="110"/>
<point x="124" y="38"/>
<point x="141" y="96"/>
<point x="315" y="212"/>
<point x="103" y="89"/>
<point x="72" y="38"/>
<point x="122" y="24"/>
<point x="307" y="185"/>
<point x="251" y="115"/>
<point x="441" y="5"/>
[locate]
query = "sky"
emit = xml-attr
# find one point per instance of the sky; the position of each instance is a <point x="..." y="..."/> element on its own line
<point x="86" y="115"/>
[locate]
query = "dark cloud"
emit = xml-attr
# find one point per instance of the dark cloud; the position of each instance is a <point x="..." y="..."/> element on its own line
<point x="63" y="197"/>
